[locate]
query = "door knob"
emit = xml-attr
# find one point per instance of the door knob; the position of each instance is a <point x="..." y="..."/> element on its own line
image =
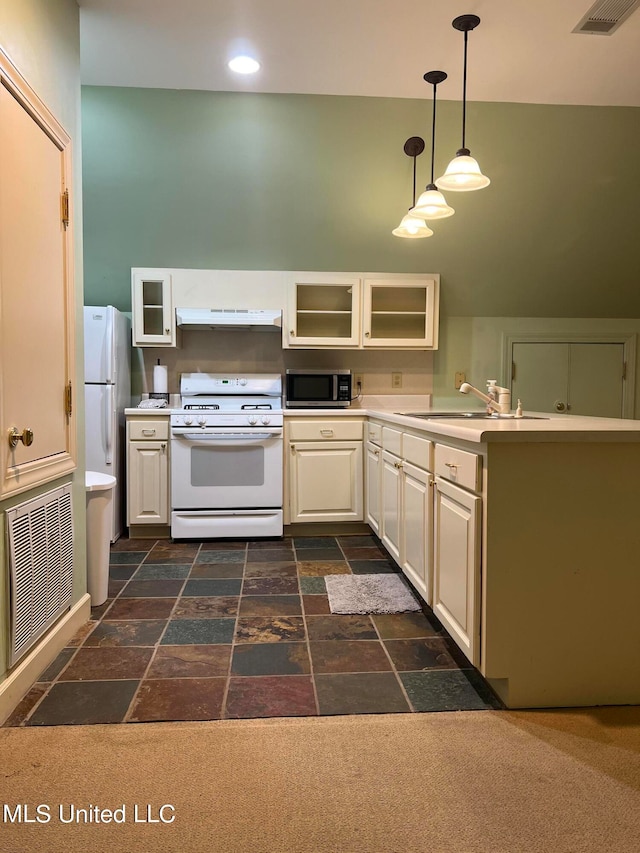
<point x="26" y="437"/>
<point x="560" y="406"/>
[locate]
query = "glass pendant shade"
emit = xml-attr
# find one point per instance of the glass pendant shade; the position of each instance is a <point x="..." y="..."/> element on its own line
<point x="412" y="228"/>
<point x="463" y="175"/>
<point x="432" y="205"/>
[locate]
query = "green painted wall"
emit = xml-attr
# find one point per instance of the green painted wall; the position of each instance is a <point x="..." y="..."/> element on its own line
<point x="42" y="39"/>
<point x="244" y="181"/>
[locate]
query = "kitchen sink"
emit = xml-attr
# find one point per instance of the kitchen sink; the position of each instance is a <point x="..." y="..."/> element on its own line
<point x="427" y="416"/>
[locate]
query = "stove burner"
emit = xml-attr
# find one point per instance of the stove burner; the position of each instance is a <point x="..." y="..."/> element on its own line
<point x="254" y="406"/>
<point x="205" y="406"/>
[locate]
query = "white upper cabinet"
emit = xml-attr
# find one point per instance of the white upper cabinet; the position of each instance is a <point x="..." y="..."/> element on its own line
<point x="154" y="319"/>
<point x="399" y="313"/>
<point x="323" y="311"/>
<point x="373" y="311"/>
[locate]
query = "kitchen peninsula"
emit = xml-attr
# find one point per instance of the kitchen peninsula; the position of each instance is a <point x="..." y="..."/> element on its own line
<point x="529" y="536"/>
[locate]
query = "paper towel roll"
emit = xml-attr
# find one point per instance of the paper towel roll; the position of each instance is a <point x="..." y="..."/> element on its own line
<point x="160" y="379"/>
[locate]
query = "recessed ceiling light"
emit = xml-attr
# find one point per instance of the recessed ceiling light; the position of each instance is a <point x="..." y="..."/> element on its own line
<point x="244" y="64"/>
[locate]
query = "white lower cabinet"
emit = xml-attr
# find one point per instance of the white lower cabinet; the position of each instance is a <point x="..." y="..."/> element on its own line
<point x="405" y="505"/>
<point x="391" y="504"/>
<point x="456" y="564"/>
<point x="430" y="523"/>
<point x="373" y="474"/>
<point x="147" y="471"/>
<point x="325" y="474"/>
<point x="417" y="526"/>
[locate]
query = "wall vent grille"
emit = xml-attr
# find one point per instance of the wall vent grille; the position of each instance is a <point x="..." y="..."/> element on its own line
<point x="605" y="16"/>
<point x="40" y="536"/>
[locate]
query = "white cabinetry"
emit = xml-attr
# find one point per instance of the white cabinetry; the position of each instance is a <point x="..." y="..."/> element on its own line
<point x="154" y="321"/>
<point x="390" y="498"/>
<point x="456" y="547"/>
<point x="373" y="475"/>
<point x="323" y="310"/>
<point x="147" y="471"/>
<point x="406" y="505"/>
<point x="324" y="475"/>
<point x="400" y="314"/>
<point x="37" y="316"/>
<point x="362" y="310"/>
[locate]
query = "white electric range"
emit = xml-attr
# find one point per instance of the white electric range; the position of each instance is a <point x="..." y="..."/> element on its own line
<point x="227" y="457"/>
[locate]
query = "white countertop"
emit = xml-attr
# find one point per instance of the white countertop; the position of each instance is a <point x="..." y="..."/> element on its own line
<point x="550" y="427"/>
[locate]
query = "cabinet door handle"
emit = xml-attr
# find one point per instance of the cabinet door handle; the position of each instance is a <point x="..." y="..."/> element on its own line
<point x="26" y="437"/>
<point x="376" y="453"/>
<point x="451" y="465"/>
<point x="163" y="446"/>
<point x="292" y="333"/>
<point x="367" y="334"/>
<point x="167" y="331"/>
<point x="327" y="432"/>
<point x="148" y="432"/>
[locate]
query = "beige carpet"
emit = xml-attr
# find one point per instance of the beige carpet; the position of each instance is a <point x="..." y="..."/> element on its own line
<point x="466" y="782"/>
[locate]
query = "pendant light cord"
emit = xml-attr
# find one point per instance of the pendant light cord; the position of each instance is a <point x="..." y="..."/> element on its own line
<point x="464" y="90"/>
<point x="433" y="134"/>
<point x="414" y="181"/>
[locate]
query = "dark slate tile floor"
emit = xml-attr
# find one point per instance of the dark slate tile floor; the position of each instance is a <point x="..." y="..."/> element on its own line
<point x="230" y="629"/>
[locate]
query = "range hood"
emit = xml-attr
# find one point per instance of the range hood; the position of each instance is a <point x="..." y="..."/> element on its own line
<point x="228" y="318"/>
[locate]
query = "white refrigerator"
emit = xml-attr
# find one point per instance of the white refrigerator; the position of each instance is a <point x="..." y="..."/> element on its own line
<point x="107" y="392"/>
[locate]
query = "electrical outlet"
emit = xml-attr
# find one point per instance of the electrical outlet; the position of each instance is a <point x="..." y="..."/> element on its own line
<point x="358" y="382"/>
<point x="396" y="380"/>
<point x="460" y="378"/>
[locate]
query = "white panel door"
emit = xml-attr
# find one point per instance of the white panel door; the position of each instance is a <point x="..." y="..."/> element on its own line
<point x="578" y="378"/>
<point x="390" y="503"/>
<point x="596" y="381"/>
<point x="148" y="477"/>
<point x="541" y="376"/>
<point x="417" y="521"/>
<point x="36" y="306"/>
<point x="326" y="482"/>
<point x="372" y="486"/>
<point x="456" y="565"/>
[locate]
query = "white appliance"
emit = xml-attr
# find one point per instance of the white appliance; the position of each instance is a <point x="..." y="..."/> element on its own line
<point x="227" y="318"/>
<point x="107" y="392"/>
<point x="226" y="457"/>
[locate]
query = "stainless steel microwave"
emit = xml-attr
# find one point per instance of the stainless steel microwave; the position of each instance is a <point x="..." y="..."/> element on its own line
<point x="328" y="389"/>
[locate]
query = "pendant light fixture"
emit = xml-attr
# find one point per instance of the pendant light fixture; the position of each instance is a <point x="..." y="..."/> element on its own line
<point x="463" y="172"/>
<point x="412" y="226"/>
<point x="432" y="204"/>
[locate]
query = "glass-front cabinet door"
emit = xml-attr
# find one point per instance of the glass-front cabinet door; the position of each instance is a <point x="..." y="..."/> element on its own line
<point x="323" y="310"/>
<point x="400" y="313"/>
<point x="153" y="318"/>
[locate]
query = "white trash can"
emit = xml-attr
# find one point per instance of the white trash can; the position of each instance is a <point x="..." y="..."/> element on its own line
<point x="99" y="512"/>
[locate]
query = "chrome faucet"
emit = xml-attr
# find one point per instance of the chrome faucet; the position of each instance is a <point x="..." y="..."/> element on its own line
<point x="498" y="399"/>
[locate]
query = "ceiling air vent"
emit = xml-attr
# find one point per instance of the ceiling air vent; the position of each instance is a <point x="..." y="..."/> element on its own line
<point x="605" y="16"/>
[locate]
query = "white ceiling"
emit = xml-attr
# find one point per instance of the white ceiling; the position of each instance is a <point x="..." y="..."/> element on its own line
<point x="523" y="51"/>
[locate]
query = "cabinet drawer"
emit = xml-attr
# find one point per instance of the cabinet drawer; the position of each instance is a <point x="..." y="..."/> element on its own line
<point x="459" y="466"/>
<point x="338" y="430"/>
<point x="418" y="451"/>
<point x="150" y="429"/>
<point x="392" y="440"/>
<point x="374" y="433"/>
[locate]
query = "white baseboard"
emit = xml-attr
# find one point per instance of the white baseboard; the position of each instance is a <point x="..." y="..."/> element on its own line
<point x="26" y="673"/>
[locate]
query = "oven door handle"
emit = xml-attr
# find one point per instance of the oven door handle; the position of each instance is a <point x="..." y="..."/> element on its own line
<point x="226" y="438"/>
